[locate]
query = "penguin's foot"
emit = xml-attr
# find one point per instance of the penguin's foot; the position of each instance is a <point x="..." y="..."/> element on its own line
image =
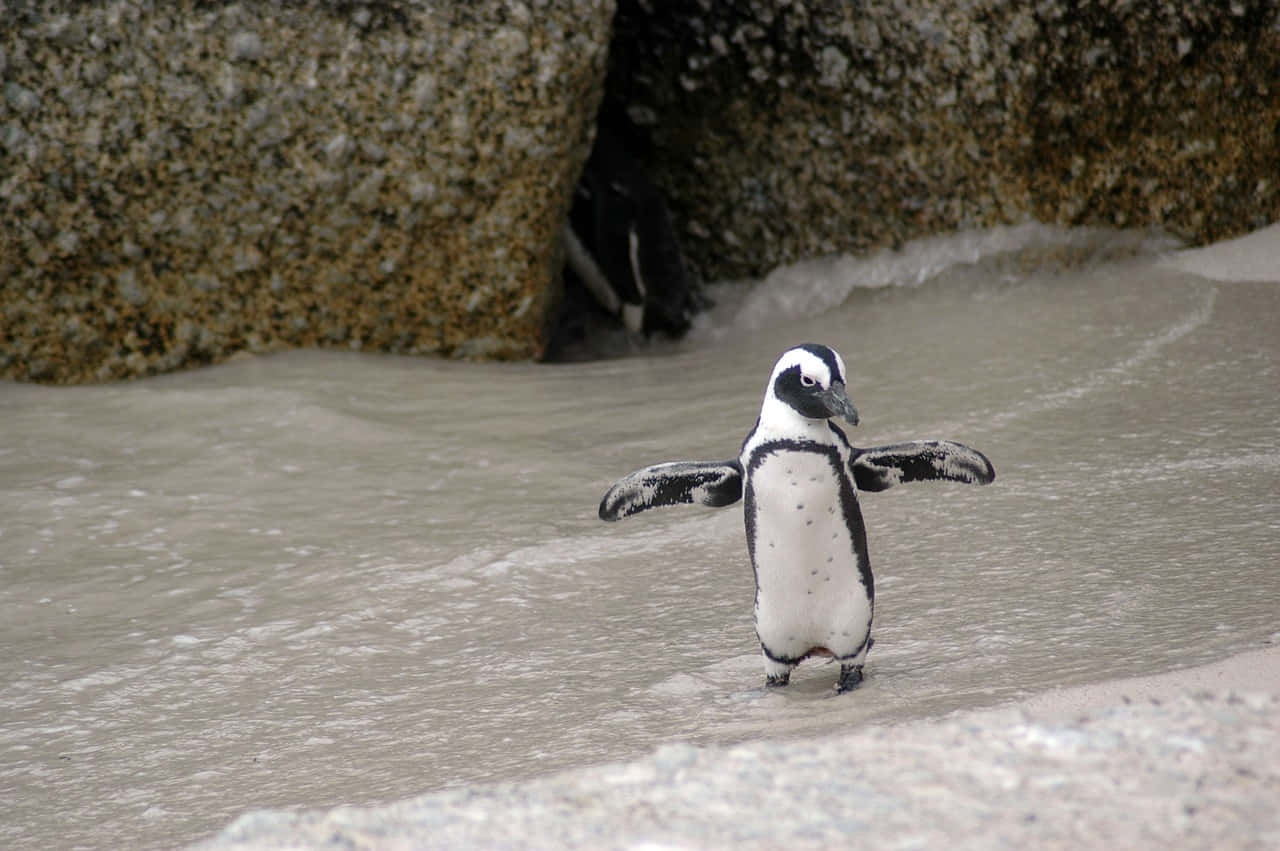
<point x="850" y="677"/>
<point x="777" y="673"/>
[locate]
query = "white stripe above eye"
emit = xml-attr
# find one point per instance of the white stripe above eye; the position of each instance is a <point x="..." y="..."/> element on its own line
<point x="809" y="364"/>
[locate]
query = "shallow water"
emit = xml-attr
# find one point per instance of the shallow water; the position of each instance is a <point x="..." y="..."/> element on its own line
<point x="320" y="577"/>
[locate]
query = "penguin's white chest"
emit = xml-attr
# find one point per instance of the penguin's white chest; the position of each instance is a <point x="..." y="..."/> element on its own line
<point x="810" y="596"/>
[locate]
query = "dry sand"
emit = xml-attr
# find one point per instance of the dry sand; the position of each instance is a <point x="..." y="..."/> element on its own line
<point x="1252" y="257"/>
<point x="1257" y="671"/>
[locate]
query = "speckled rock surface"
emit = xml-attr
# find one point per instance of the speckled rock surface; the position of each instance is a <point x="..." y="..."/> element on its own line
<point x="784" y="130"/>
<point x="1192" y="772"/>
<point x="179" y="182"/>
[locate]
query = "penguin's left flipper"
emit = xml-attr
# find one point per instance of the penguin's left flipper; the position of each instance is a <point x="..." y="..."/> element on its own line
<point x="713" y="483"/>
<point x="881" y="467"/>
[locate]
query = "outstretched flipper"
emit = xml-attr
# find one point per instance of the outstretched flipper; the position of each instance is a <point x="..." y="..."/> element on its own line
<point x="881" y="467"/>
<point x="713" y="483"/>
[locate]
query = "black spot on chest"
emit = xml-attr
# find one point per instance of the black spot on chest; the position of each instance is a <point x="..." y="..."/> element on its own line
<point x="844" y="497"/>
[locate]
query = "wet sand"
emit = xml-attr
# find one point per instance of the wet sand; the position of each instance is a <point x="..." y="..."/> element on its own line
<point x="1184" y="759"/>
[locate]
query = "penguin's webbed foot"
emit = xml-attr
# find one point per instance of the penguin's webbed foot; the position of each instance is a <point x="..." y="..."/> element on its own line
<point x="850" y="678"/>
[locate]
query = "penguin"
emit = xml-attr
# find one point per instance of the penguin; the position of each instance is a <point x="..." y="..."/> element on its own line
<point x="798" y="477"/>
<point x="622" y="256"/>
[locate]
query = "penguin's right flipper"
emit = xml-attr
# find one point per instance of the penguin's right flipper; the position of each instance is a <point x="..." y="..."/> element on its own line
<point x="713" y="483"/>
<point x="882" y="467"/>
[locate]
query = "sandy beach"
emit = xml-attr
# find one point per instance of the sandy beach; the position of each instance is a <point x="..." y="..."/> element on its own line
<point x="1256" y="672"/>
<point x="1184" y="759"/>
<point x="1187" y="759"/>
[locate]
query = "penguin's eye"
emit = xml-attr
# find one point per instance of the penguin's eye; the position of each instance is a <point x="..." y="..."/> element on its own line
<point x="806" y="380"/>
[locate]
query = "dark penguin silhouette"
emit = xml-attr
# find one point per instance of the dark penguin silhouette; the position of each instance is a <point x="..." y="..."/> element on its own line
<point x="622" y="257"/>
<point x="799" y="478"/>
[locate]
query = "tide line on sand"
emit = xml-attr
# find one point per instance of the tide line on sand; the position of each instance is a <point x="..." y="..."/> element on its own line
<point x="1185" y="759"/>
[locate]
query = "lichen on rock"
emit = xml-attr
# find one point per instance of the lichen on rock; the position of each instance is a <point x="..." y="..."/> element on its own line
<point x="278" y="175"/>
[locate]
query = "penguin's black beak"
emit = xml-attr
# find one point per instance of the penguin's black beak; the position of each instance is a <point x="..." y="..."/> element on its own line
<point x="837" y="402"/>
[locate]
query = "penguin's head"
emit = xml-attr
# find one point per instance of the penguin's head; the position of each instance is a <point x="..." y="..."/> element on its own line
<point x="810" y="380"/>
